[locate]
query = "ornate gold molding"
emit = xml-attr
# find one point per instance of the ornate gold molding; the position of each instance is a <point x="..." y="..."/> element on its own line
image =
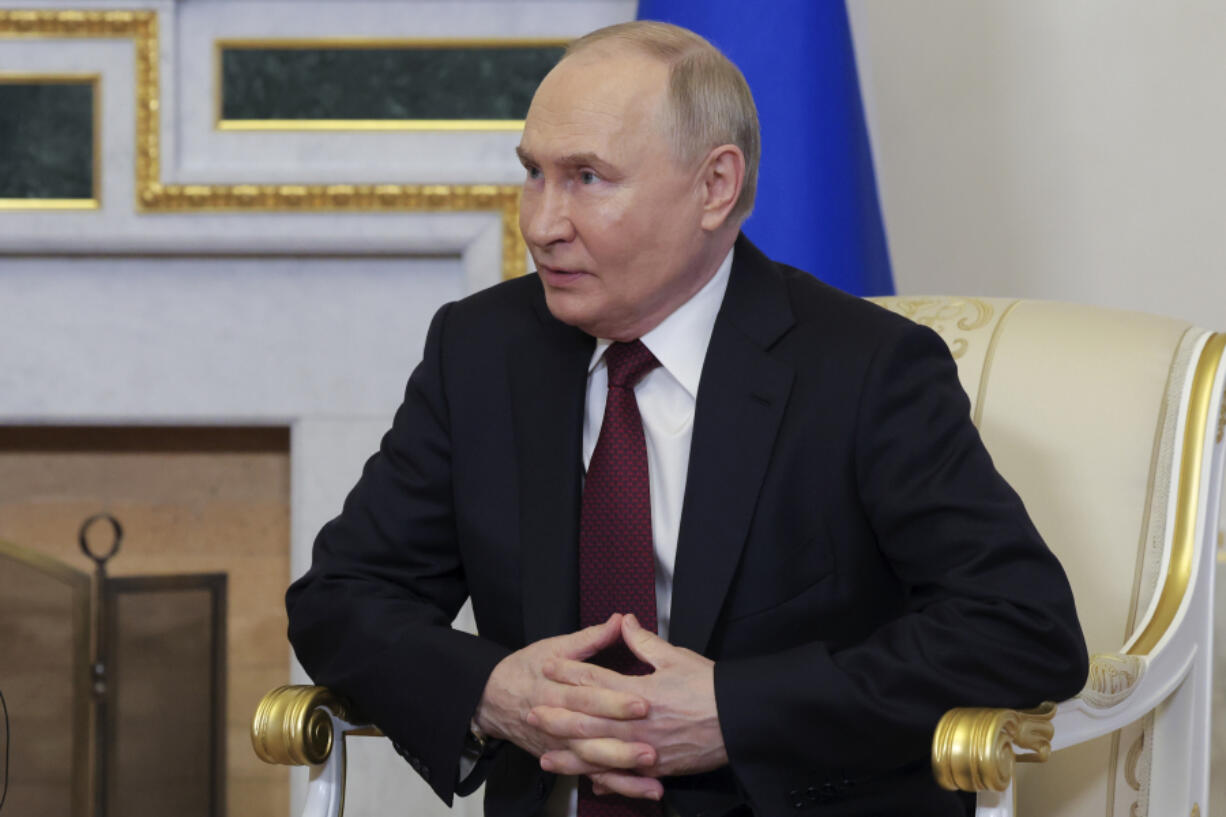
<point x="153" y="196"/>
<point x="938" y="314"/>
<point x="1183" y="537"/>
<point x="973" y="748"/>
<point x="1112" y="679"/>
<point x="292" y="726"/>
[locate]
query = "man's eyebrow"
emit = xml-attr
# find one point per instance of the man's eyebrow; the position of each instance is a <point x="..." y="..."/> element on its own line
<point x="587" y="158"/>
<point x="583" y="159"/>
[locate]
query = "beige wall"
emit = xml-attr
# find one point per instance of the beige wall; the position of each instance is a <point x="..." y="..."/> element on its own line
<point x="1065" y="149"/>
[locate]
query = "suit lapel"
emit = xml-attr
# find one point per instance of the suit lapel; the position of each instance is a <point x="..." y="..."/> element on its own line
<point x="548" y="374"/>
<point x="741" y="400"/>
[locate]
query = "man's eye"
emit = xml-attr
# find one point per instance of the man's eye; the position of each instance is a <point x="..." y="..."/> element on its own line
<point x="533" y="172"/>
<point x="588" y="177"/>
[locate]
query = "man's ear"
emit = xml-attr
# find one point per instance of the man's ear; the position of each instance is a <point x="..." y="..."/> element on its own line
<point x="723" y="176"/>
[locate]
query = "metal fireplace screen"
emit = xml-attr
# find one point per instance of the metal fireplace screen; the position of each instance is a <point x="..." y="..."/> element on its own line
<point x="44" y="675"/>
<point x="167" y="681"/>
<point x="140" y="729"/>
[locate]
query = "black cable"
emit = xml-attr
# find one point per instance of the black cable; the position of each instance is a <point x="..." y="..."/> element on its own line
<point x="5" y="793"/>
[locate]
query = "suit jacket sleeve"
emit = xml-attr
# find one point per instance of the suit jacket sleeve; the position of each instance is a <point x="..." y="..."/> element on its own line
<point x="987" y="618"/>
<point x="371" y="618"/>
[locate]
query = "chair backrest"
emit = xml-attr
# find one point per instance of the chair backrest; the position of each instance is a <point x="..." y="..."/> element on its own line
<point x="1080" y="408"/>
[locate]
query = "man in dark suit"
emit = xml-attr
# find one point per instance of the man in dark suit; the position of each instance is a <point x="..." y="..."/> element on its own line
<point x="836" y="561"/>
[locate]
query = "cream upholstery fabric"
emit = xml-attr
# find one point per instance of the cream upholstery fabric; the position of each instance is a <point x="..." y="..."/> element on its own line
<point x="1079" y="408"/>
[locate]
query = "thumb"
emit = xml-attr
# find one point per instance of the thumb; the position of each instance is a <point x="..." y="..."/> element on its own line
<point x="646" y="645"/>
<point x="585" y="643"/>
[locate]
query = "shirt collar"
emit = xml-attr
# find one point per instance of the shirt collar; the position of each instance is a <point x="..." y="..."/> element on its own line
<point x="680" y="341"/>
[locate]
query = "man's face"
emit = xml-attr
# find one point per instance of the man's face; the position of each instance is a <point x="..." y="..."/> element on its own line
<point x="611" y="218"/>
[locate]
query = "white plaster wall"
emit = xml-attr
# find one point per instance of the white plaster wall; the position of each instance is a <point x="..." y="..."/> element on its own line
<point x="1052" y="149"/>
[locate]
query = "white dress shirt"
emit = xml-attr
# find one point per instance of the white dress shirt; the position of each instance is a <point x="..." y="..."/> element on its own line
<point x="666" y="396"/>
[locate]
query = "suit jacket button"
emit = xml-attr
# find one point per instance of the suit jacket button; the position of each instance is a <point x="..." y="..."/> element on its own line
<point x="541" y="785"/>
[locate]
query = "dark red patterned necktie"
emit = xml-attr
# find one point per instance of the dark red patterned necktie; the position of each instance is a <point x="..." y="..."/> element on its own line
<point x="616" y="557"/>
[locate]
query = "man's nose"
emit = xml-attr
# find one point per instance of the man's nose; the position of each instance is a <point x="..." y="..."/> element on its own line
<point x="546" y="217"/>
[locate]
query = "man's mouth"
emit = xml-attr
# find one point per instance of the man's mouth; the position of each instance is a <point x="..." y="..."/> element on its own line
<point x="555" y="274"/>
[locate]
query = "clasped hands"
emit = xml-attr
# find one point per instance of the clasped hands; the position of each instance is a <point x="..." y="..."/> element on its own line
<point x="622" y="731"/>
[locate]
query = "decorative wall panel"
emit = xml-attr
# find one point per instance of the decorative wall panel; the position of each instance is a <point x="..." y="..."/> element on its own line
<point x="423" y="85"/>
<point x="48" y="141"/>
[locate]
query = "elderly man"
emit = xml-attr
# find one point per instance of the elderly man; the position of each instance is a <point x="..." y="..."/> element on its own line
<point x="730" y="537"/>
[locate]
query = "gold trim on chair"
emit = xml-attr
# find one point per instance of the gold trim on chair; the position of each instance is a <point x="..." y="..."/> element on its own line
<point x="1183" y="538"/>
<point x="944" y="315"/>
<point x="973" y="748"/>
<point x="292" y="726"/>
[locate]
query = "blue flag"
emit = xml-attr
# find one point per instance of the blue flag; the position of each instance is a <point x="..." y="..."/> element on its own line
<point x="817" y="203"/>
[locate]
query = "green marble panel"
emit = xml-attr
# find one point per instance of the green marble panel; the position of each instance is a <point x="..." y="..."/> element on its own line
<point x="46" y="140"/>
<point x="382" y="83"/>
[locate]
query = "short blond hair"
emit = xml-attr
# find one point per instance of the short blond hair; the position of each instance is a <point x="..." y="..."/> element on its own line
<point x="710" y="101"/>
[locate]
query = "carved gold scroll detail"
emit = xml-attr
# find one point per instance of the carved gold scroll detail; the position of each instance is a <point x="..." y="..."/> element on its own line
<point x="945" y="316"/>
<point x="155" y="196"/>
<point x="292" y="725"/>
<point x="1112" y="679"/>
<point x="973" y="748"/>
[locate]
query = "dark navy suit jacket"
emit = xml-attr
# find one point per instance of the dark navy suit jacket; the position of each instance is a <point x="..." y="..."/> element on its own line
<point x="848" y="554"/>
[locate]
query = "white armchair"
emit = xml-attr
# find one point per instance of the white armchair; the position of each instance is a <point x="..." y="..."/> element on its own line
<point x="1110" y="425"/>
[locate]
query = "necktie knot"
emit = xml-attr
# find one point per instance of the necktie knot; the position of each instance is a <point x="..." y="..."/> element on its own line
<point x="628" y="362"/>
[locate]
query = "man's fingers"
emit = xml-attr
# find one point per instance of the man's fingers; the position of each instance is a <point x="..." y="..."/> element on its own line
<point x="590" y="640"/>
<point x="564" y="761"/>
<point x="568" y="725"/>
<point x="583" y="674"/>
<point x="595" y="701"/>
<point x="646" y="645"/>
<point x="598" y="754"/>
<point x="628" y="784"/>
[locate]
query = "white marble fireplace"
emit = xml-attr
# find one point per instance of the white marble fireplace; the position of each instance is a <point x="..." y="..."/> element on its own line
<point x="311" y="320"/>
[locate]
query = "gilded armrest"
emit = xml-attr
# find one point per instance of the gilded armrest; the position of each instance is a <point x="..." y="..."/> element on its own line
<point x="292" y="725"/>
<point x="973" y="748"/>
